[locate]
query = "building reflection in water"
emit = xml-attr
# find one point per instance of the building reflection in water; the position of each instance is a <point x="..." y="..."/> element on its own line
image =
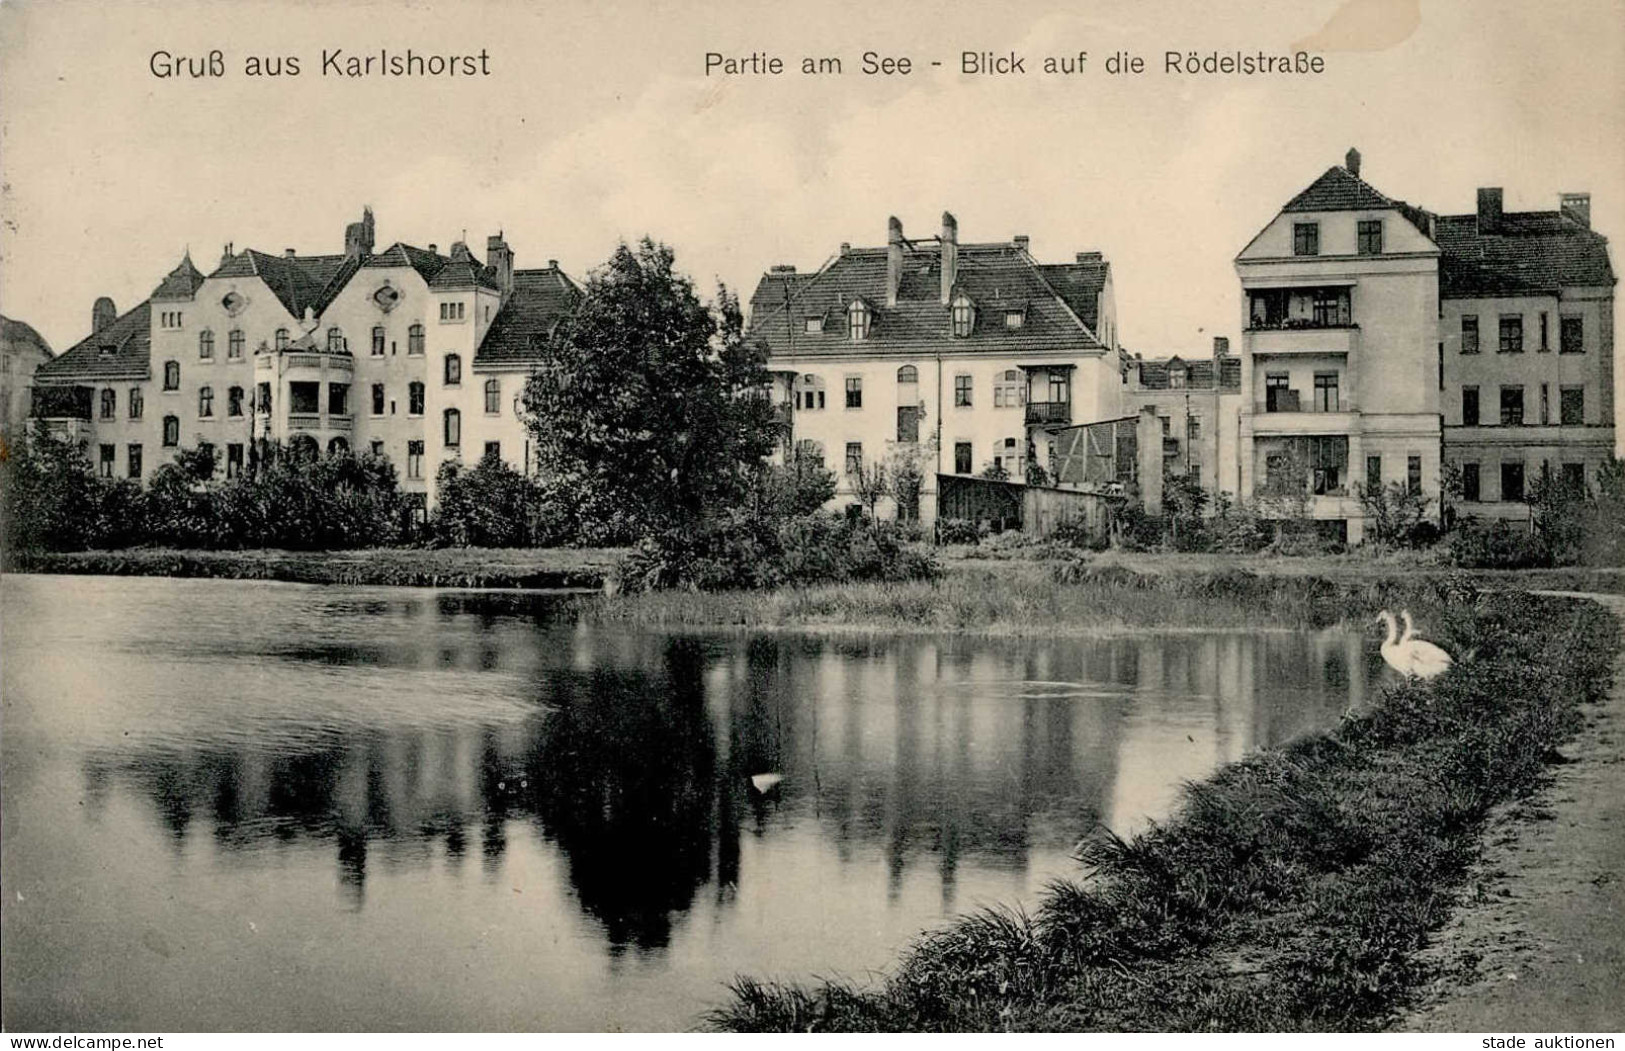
<point x="634" y="759"/>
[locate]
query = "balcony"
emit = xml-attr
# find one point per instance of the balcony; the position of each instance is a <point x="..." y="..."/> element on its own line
<point x="1286" y="413"/>
<point x="1309" y="340"/>
<point x="1170" y="446"/>
<point x="345" y="422"/>
<point x="317" y="360"/>
<point x="1048" y="413"/>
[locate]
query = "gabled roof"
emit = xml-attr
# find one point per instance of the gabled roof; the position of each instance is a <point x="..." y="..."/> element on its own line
<point x="181" y="282"/>
<point x="998" y="278"/>
<point x="1339" y="190"/>
<point x="464" y="273"/>
<point x="122" y="350"/>
<point x="540" y="300"/>
<point x="20" y="335"/>
<point x="425" y="262"/>
<point x="1199" y="373"/>
<point x="1529" y="252"/>
<point x="298" y="281"/>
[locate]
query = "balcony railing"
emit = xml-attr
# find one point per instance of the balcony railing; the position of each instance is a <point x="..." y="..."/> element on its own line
<point x="1047" y="412"/>
<point x="1293" y="401"/>
<point x="1296" y="323"/>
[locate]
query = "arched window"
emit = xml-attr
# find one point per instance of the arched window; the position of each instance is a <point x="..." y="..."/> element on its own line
<point x="205" y="344"/>
<point x="302" y="448"/>
<point x="172" y="431"/>
<point x="337" y="446"/>
<point x="964" y="316"/>
<point x="493" y="396"/>
<point x="454" y="428"/>
<point x="335" y="340"/>
<point x="454" y="370"/>
<point x="414" y="339"/>
<point x="908" y="374"/>
<point x="282" y="339"/>
<point x="857" y="320"/>
<point x="109" y="403"/>
<point x="205" y="401"/>
<point x="234" y="344"/>
<point x="234" y="401"/>
<point x="378" y="341"/>
<point x="414" y="399"/>
<point x="172" y="375"/>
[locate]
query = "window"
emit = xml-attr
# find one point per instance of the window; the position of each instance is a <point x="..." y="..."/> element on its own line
<point x="414" y="459"/>
<point x="454" y="370"/>
<point x="1469" y="406"/>
<point x="1512" y="483"/>
<point x="335" y="340"/>
<point x="378" y="341"/>
<point x="109" y="403"/>
<point x="414" y="339"/>
<point x="1511" y="406"/>
<point x="1193" y="474"/>
<point x="1176" y="378"/>
<point x="1369" y="232"/>
<point x="1413" y="475"/>
<point x="234" y="459"/>
<point x="813" y="325"/>
<point x="908" y="374"/>
<point x="1469" y="333"/>
<point x="1469" y="483"/>
<point x="854" y="458"/>
<point x="205" y="345"/>
<point x="264" y="398"/>
<point x="1014" y="318"/>
<point x="172" y="431"/>
<point x="1574" y="477"/>
<point x="1373" y="473"/>
<point x="1167" y="425"/>
<point x="170" y="319"/>
<point x="453" y="427"/>
<point x="493" y="451"/>
<point x="378" y="447"/>
<point x="451" y="312"/>
<point x="136" y="403"/>
<point x="234" y="401"/>
<point x="1009" y="460"/>
<point x="1329" y="307"/>
<point x="1544" y="346"/>
<point x="338" y="399"/>
<point x="854" y="392"/>
<point x="1571" y="406"/>
<point x="377" y="399"/>
<point x="1009" y="389"/>
<point x="964" y="317"/>
<point x="493" y="396"/>
<point x="1545" y="404"/>
<point x="104" y="463"/>
<point x="962" y="391"/>
<point x="1326" y="392"/>
<point x="282" y="339"/>
<point x="1328" y="460"/>
<point x="812" y="392"/>
<point x="857" y="320"/>
<point x="1511" y="333"/>
<point x="414" y="399"/>
<point x="172" y="375"/>
<point x="234" y="344"/>
<point x="962" y="458"/>
<point x="1193" y="428"/>
<point x="304" y="399"/>
<point x="908" y="423"/>
<point x="337" y="446"/>
<point x="205" y="402"/>
<point x="1305" y="238"/>
<point x="133" y="468"/>
<point x="1278" y="394"/>
<point x="1571" y="333"/>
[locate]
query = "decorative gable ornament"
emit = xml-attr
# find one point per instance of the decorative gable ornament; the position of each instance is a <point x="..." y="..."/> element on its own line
<point x="308" y="323"/>
<point x="387" y="298"/>
<point x="234" y="302"/>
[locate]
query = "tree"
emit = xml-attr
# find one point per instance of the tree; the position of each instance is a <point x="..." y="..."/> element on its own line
<point x="905" y="475"/>
<point x="871" y="482"/>
<point x="1393" y="513"/>
<point x="651" y="407"/>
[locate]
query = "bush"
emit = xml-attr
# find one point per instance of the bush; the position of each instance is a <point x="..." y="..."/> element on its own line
<point x="1496" y="545"/>
<point x="957" y="531"/>
<point x="1075" y="533"/>
<point x="494" y="505"/>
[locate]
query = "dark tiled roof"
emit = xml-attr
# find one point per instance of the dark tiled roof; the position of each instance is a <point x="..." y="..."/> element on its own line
<point x="998" y="278"/>
<point x="20" y="335"/>
<point x="119" y="351"/>
<point x="299" y="281"/>
<point x="1339" y="190"/>
<point x="425" y="262"/>
<point x="181" y="282"/>
<point x="1080" y="284"/>
<point x="1528" y="252"/>
<point x="1199" y="373"/>
<point x="464" y="273"/>
<point x="540" y="300"/>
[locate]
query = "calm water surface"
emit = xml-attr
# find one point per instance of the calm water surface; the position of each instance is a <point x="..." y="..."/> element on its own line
<point x="267" y="806"/>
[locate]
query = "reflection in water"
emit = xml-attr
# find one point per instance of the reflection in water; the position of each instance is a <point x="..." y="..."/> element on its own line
<point x="438" y="738"/>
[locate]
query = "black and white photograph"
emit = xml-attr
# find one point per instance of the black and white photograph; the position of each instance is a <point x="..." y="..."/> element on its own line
<point x="848" y="517"/>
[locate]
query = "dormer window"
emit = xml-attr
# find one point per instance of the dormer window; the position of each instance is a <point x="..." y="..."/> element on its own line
<point x="814" y="325"/>
<point x="1176" y="378"/>
<point x="964" y="317"/>
<point x="1015" y="318"/>
<point x="857" y="320"/>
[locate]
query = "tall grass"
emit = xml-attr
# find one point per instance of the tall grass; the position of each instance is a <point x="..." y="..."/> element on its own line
<point x="1291" y="889"/>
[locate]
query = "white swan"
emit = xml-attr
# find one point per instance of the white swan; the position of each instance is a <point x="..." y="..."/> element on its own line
<point x="765" y="783"/>
<point x="1414" y="658"/>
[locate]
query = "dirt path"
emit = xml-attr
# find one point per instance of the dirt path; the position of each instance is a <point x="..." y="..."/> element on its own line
<point x="1545" y="910"/>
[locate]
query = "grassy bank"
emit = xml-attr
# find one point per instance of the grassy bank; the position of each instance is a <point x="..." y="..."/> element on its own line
<point x="410" y="567"/>
<point x="1291" y="890"/>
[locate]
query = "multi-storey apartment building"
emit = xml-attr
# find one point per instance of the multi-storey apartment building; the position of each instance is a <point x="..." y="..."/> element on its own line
<point x="972" y="355"/>
<point x="1526" y="310"/>
<point x="22" y="350"/>
<point x="406" y="353"/>
<point x="1197" y="402"/>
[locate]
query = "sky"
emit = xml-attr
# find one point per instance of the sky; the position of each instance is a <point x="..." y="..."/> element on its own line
<point x="598" y="124"/>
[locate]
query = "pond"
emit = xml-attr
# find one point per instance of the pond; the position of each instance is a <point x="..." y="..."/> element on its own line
<point x="233" y="805"/>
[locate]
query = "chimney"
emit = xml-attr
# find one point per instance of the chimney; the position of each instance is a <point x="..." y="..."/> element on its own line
<point x="1021" y="241"/>
<point x="225" y="253"/>
<point x="499" y="257"/>
<point x="1576" y="206"/>
<point x="434" y="249"/>
<point x="1090" y="257"/>
<point x="1489" y="209"/>
<point x="1351" y="161"/>
<point x="894" y="258"/>
<point x="784" y="268"/>
<point x="288" y="253"/>
<point x="1221" y="347"/>
<point x="102" y="314"/>
<point x="552" y="264"/>
<point x="358" y="236"/>
<point x="950" y="255"/>
<point x="846" y="247"/>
